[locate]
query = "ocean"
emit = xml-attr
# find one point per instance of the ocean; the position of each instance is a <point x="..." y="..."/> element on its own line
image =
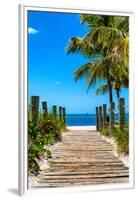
<point x="84" y="119"/>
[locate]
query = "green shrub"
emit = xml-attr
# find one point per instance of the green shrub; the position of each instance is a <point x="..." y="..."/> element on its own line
<point x="46" y="132"/>
<point x="48" y="153"/>
<point x="34" y="134"/>
<point x="106" y="130"/>
<point x="33" y="165"/>
<point x="36" y="147"/>
<point x="122" y="139"/>
<point x="36" y="151"/>
<point x="47" y="127"/>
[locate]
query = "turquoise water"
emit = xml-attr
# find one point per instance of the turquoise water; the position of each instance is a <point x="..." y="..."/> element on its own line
<point x="84" y="119"/>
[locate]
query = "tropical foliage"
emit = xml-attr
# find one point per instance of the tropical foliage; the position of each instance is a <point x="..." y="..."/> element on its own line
<point x="121" y="137"/>
<point x="107" y="41"/>
<point x="47" y="132"/>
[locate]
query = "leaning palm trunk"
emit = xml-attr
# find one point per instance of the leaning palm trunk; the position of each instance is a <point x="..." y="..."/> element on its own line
<point x="109" y="86"/>
<point x="118" y="93"/>
<point x="110" y="100"/>
<point x="110" y="91"/>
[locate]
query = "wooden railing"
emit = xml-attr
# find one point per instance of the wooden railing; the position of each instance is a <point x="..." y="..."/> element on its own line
<point x="102" y="118"/>
<point x="35" y="105"/>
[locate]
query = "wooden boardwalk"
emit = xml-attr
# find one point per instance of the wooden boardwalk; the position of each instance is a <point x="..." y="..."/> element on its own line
<point x="82" y="158"/>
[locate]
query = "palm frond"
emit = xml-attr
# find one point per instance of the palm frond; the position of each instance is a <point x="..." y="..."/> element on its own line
<point x="102" y="89"/>
<point x="98" y="71"/>
<point x="108" y="38"/>
<point x="81" y="72"/>
<point x="103" y="38"/>
<point x="120" y="52"/>
<point x="123" y="24"/>
<point x="92" y="71"/>
<point x="92" y="21"/>
<point x="80" y="45"/>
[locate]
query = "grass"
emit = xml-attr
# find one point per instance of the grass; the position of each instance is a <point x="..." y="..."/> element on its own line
<point x="121" y="137"/>
<point x="106" y="131"/>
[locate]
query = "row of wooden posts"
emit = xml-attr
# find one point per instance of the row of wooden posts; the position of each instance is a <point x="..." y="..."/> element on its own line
<point x="35" y="105"/>
<point x="102" y="118"/>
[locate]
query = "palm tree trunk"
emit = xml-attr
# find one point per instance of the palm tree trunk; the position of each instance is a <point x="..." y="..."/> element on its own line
<point x="109" y="86"/>
<point x="118" y="93"/>
<point x="111" y="104"/>
<point x="110" y="90"/>
<point x="110" y="93"/>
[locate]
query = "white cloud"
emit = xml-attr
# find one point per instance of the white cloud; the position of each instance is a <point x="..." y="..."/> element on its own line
<point x="57" y="83"/>
<point x="32" y="30"/>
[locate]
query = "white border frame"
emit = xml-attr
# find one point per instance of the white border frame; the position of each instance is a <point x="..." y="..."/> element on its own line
<point x="22" y="155"/>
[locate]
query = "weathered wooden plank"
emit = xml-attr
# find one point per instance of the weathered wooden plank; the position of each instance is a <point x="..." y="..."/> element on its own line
<point x="122" y="112"/>
<point x="45" y="109"/>
<point x="97" y="119"/>
<point x="35" y="108"/>
<point x="86" y="172"/>
<point x="89" y="181"/>
<point x="97" y="182"/>
<point x="82" y="164"/>
<point x="85" y="169"/>
<point x="78" y="157"/>
<point x="104" y="115"/>
<point x="60" y="113"/>
<point x="54" y="111"/>
<point x="83" y="158"/>
<point x="64" y="115"/>
<point x="88" y="147"/>
<point x="86" y="176"/>
<point x="79" y="160"/>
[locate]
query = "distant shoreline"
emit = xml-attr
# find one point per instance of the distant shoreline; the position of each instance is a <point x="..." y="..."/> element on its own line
<point x="85" y="119"/>
<point x="90" y="114"/>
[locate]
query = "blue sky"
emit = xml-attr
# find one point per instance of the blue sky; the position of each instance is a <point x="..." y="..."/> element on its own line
<point x="50" y="69"/>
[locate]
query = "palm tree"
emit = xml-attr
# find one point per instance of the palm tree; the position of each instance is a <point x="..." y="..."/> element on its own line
<point x="119" y="80"/>
<point x="113" y="36"/>
<point x="108" y="41"/>
<point x="117" y="85"/>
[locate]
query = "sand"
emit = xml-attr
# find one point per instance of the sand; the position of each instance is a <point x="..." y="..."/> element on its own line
<point x="92" y="128"/>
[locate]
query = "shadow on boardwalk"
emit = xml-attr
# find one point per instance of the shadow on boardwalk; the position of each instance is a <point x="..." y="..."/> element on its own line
<point x="82" y="158"/>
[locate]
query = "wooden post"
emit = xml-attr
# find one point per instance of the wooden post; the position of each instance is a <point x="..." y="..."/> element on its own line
<point x="55" y="111"/>
<point x="104" y="115"/>
<point x="44" y="107"/>
<point x="100" y="118"/>
<point x="60" y="113"/>
<point x="122" y="112"/>
<point x="64" y="115"/>
<point x="35" y="108"/>
<point x="112" y="115"/>
<point x="97" y="119"/>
